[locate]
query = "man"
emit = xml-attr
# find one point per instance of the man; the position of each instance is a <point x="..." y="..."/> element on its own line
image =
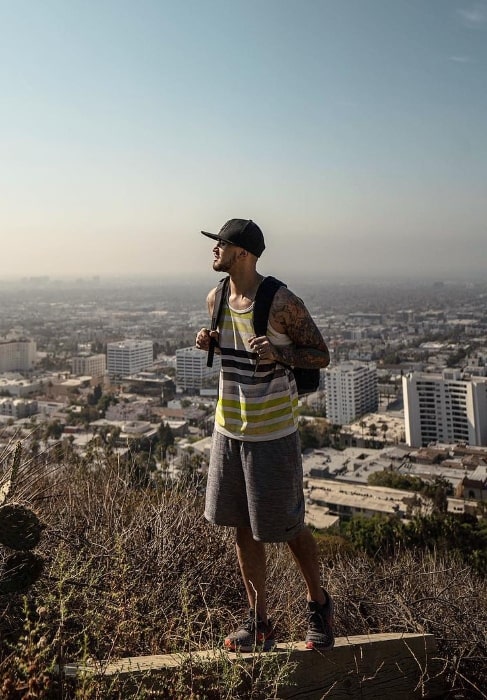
<point x="255" y="477"/>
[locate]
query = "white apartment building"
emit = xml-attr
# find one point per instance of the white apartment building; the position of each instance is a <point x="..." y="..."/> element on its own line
<point x="89" y="365"/>
<point x="16" y="385"/>
<point x="445" y="408"/>
<point x="351" y="391"/>
<point x="191" y="369"/>
<point x="17" y="355"/>
<point x="129" y="356"/>
<point x="17" y="408"/>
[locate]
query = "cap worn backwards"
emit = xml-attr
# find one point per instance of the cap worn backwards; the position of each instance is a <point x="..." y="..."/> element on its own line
<point x="243" y="233"/>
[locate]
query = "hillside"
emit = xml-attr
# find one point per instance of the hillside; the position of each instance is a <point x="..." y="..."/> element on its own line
<point x="133" y="571"/>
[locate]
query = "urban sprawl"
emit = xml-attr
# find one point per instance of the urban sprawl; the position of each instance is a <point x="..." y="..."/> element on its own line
<point x="92" y="366"/>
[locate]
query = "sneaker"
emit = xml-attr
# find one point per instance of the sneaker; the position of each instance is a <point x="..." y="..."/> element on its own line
<point x="320" y="625"/>
<point x="253" y="634"/>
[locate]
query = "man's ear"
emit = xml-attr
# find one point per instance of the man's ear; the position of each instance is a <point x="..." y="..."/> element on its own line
<point x="243" y="253"/>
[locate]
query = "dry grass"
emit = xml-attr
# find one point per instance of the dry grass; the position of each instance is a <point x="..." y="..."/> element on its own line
<point x="131" y="572"/>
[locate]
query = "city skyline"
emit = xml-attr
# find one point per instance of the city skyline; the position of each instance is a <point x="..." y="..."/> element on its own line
<point x="352" y="132"/>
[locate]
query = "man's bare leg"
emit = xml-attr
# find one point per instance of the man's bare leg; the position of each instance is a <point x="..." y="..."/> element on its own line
<point x="305" y="553"/>
<point x="252" y="560"/>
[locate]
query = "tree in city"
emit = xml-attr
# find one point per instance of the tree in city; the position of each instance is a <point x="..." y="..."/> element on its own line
<point x="108" y="436"/>
<point x="395" y="480"/>
<point x="363" y="425"/>
<point x="382" y="535"/>
<point x="52" y="429"/>
<point x="336" y="430"/>
<point x="94" y="397"/>
<point x="376" y="535"/>
<point x="104" y="402"/>
<point x="314" y="434"/>
<point x="165" y="439"/>
<point x="438" y="491"/>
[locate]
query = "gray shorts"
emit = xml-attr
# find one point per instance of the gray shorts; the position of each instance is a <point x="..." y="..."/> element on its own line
<point x="257" y="485"/>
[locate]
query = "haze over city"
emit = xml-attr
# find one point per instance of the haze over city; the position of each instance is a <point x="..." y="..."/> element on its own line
<point x="351" y="131"/>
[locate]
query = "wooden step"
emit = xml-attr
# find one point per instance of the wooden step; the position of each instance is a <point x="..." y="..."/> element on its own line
<point x="365" y="667"/>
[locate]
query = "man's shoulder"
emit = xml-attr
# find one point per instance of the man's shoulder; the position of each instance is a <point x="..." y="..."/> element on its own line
<point x="285" y="296"/>
<point x="210" y="299"/>
<point x="285" y="309"/>
<point x="271" y="293"/>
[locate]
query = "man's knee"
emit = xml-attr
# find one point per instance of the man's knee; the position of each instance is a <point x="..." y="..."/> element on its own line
<point x="304" y="538"/>
<point x="243" y="535"/>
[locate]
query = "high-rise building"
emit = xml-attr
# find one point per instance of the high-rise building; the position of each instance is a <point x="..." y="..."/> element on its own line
<point x="129" y="356"/>
<point x="445" y="408"/>
<point x="351" y="391"/>
<point x="191" y="369"/>
<point x="17" y="355"/>
<point x="89" y="365"/>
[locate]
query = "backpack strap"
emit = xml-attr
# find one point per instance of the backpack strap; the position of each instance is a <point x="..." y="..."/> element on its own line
<point x="263" y="302"/>
<point x="220" y="294"/>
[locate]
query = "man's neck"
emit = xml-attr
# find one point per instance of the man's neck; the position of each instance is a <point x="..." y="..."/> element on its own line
<point x="244" y="284"/>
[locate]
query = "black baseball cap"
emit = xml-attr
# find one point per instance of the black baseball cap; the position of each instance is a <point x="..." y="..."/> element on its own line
<point x="242" y="232"/>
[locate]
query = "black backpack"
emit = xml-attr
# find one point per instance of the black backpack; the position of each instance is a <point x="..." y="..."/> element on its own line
<point x="307" y="380"/>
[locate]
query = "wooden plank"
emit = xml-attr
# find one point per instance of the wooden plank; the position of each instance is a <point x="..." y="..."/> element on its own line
<point x="402" y="667"/>
<point x="365" y="667"/>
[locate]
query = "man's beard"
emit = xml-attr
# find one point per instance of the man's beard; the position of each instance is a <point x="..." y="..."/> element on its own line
<point x="220" y="265"/>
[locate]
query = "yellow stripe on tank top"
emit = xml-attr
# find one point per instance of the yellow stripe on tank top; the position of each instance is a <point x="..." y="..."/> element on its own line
<point x="256" y="405"/>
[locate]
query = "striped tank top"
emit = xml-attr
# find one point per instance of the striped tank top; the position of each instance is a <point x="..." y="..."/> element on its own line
<point x="258" y="400"/>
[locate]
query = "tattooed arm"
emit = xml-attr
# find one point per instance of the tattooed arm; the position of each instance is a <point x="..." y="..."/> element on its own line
<point x="289" y="315"/>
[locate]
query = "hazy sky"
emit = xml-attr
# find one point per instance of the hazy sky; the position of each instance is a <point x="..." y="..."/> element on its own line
<point x="354" y="132"/>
